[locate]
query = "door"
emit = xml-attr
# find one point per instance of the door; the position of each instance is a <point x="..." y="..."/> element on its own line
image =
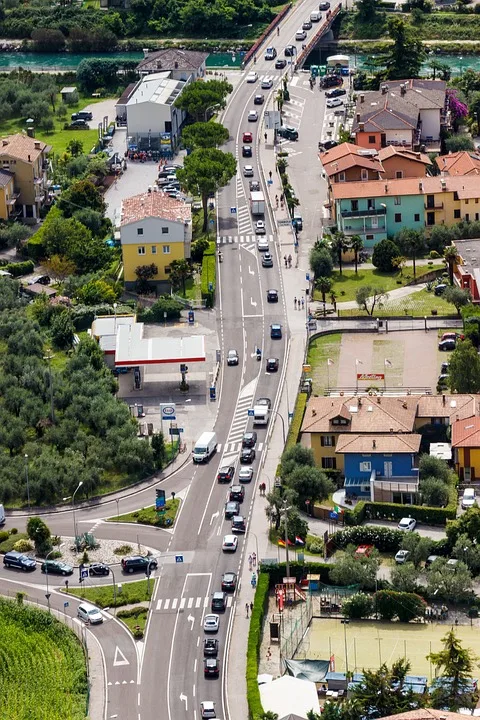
<point x="387" y="468"/>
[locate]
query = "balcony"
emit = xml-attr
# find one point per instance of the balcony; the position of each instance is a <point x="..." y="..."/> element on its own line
<point x="350" y="231"/>
<point x="13" y="199"/>
<point x="433" y="206"/>
<point x="38" y="180"/>
<point x="39" y="197"/>
<point x="370" y="212"/>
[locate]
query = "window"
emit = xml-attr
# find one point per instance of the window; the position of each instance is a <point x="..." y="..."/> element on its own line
<point x="430" y="201"/>
<point x="456" y="214"/>
<point x="416" y="217"/>
<point x="398" y="217"/>
<point x="154" y="249"/>
<point x="339" y="421"/>
<point x="329" y="463"/>
<point x="364" y="174"/>
<point x="374" y="222"/>
<point x="354" y="204"/>
<point x="398" y="200"/>
<point x="466" y="202"/>
<point x="366" y="466"/>
<point x="467" y="217"/>
<point x="327" y="441"/>
<point x="168" y="126"/>
<point x="164" y="230"/>
<point x="139" y="231"/>
<point x="141" y="250"/>
<point x="167" y="269"/>
<point x="166" y="249"/>
<point x="399" y="174"/>
<point x="371" y="139"/>
<point x="455" y="195"/>
<point x="368" y="237"/>
<point x="341" y="177"/>
<point x="476" y="216"/>
<point x="370" y="204"/>
<point x="476" y="201"/>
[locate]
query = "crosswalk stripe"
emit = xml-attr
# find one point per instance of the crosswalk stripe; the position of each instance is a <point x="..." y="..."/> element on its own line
<point x="167" y="603"/>
<point x="159" y="604"/>
<point x="182" y="603"/>
<point x="229" y="601"/>
<point x="190" y="603"/>
<point x="205" y="602"/>
<point x="174" y="603"/>
<point x="197" y="602"/>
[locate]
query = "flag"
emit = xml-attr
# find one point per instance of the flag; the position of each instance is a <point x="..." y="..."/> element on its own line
<point x="388" y="363"/>
<point x="330" y="361"/>
<point x="358" y="362"/>
<point x="281" y="543"/>
<point x="299" y="541"/>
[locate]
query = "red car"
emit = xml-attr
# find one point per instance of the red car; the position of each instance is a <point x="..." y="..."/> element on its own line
<point x="247" y="137"/>
<point x="364" y="551"/>
<point x="452" y="336"/>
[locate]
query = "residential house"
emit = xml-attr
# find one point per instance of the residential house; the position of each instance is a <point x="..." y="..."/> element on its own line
<point x="326" y="418"/>
<point x="378" y="209"/>
<point x="466" y="271"/>
<point x="380" y="467"/>
<point x="350" y="163"/>
<point x="26" y="158"/>
<point x="403" y="113"/>
<point x="466" y="448"/>
<point x="8" y="196"/>
<point x="185" y="65"/>
<point x="154" y="229"/>
<point x="400" y="162"/>
<point x="462" y="163"/>
<point x="445" y="409"/>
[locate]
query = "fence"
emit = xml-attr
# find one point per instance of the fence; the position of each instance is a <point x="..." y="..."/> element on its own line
<point x="294" y="624"/>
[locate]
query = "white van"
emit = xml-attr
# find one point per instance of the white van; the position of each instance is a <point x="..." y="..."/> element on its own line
<point x="315" y="16"/>
<point x="2" y="515"/>
<point x="205" y="446"/>
<point x="89" y="614"/>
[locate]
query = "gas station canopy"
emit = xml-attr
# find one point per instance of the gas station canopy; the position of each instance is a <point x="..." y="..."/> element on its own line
<point x="132" y="349"/>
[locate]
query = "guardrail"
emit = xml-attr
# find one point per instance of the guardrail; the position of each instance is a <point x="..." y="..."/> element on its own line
<point x="321" y="30"/>
<point x="253" y="50"/>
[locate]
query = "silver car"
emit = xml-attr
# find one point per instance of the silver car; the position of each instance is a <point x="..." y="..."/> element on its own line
<point x="211" y="623"/>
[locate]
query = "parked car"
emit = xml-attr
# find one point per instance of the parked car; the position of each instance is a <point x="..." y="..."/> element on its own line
<point x="210" y="624"/>
<point x="452" y="336"/>
<point x="237" y="493"/>
<point x="328" y="81"/>
<point x="245" y="474"/>
<point x="259" y="99"/>
<point x="229" y="581"/>
<point x="364" y="551"/>
<point x="407" y="524"/>
<point x="447" y="345"/>
<point x="226" y="473"/>
<point x="336" y="92"/>
<point x="280" y="64"/>
<point x="468" y="498"/>
<point x="272" y="365"/>
<point x="288" y="132"/>
<point x="55" y="567"/>
<point x="249" y="439"/>
<point x="232" y="357"/>
<point x="96" y="569"/>
<point x="272" y="296"/>
<point x="230" y="544"/>
<point x="14" y="559"/>
<point x="232" y="508"/>
<point x="401" y="557"/>
<point x="267" y="260"/>
<point x="82" y="115"/>
<point x="210" y="647"/>
<point x="252" y="77"/>
<point x="334" y="102"/>
<point x="444" y="369"/>
<point x="440" y="288"/>
<point x="327" y="145"/>
<point x="139" y="563"/>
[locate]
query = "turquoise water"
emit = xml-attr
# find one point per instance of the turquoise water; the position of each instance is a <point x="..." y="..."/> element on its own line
<point x="70" y="61"/>
<point x="457" y="63"/>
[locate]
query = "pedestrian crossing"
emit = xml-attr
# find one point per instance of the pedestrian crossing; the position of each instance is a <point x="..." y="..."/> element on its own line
<point x="242" y="239"/>
<point x="244" y="219"/>
<point x="183" y="603"/>
<point x="234" y="442"/>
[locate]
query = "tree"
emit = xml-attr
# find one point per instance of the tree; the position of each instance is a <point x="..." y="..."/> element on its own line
<point x="310" y="484"/>
<point x="399" y="263"/>
<point x="324" y="284"/>
<point x="39" y="534"/>
<point x="204" y="135"/>
<point x="367" y="10"/>
<point x="457" y="143"/>
<point x="180" y="272"/>
<point x="405" y="606"/>
<point x="75" y="147"/>
<point x="205" y="171"/>
<point x="145" y="273"/>
<point x="199" y="97"/>
<point x="93" y="73"/>
<point x="159" y="450"/>
<point x="464" y="368"/>
<point x="321" y="262"/>
<point x="468" y="551"/>
<point x="97" y="291"/>
<point x="405" y="577"/>
<point x="434" y="492"/>
<point x="80" y="195"/>
<point x="367" y="297"/>
<point x="430" y="466"/>
<point x="383" y="254"/>
<point x="296" y="456"/>
<point x="405" y="58"/>
<point x="277" y="500"/>
<point x="457" y="296"/>
<point x="450" y="254"/>
<point x="338" y="245"/>
<point x="455" y="664"/>
<point x="48" y="40"/>
<point x="419" y="547"/>
<point x="412" y="243"/>
<point x="356" y="243"/>
<point x="296" y="526"/>
<point x="92" y="219"/>
<point x="467" y="524"/>
<point x="453" y="584"/>
<point x="350" y="570"/>
<point x="383" y="692"/>
<point x="62" y="330"/>
<point x="358" y="606"/>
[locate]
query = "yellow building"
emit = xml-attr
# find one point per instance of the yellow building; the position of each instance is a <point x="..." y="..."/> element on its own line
<point x="449" y="199"/>
<point x="8" y="196"/>
<point x="26" y="159"/>
<point x="466" y="448"/>
<point x="154" y="229"/>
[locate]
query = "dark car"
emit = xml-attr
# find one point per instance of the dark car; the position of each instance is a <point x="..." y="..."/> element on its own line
<point x="327" y="145"/>
<point x="280" y="64"/>
<point x="232" y="508"/>
<point x="238" y="524"/>
<point x="229" y="581"/>
<point x="39" y="280"/>
<point x="249" y="439"/>
<point x="287" y="132"/>
<point x="137" y="563"/>
<point x="336" y="92"/>
<point x="226" y="473"/>
<point x="272" y="364"/>
<point x="330" y="81"/>
<point x="275" y="331"/>
<point x="307" y="25"/>
<point x="82" y="124"/>
<point x="267" y="260"/>
<point x="219" y="601"/>
<point x="247" y="455"/>
<point x="237" y="493"/>
<point x="19" y="560"/>
<point x="290" y="51"/>
<point x="272" y="295"/>
<point x="324" y="6"/>
<point x="211" y="667"/>
<point x="444" y="369"/>
<point x="246" y="151"/>
<point x="254" y="186"/>
<point x="447" y="345"/>
<point x="56" y="567"/>
<point x="259" y="99"/>
<point x="210" y="647"/>
<point x="98" y="569"/>
<point x="440" y="289"/>
<point x="82" y="115"/>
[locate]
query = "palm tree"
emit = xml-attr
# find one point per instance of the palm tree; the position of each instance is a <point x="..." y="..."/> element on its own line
<point x="339" y="244"/>
<point x="269" y="715"/>
<point x="450" y="254"/>
<point x="356" y="243"/>
<point x="436" y="66"/>
<point x="414" y="242"/>
<point x="324" y="284"/>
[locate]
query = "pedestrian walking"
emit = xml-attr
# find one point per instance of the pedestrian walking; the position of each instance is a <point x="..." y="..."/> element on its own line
<point x="270" y="174"/>
<point x="246" y="608"/>
<point x="251" y="607"/>
<point x="286" y="260"/>
<point x="249" y="562"/>
<point x="265" y="136"/>
<point x="290" y="261"/>
<point x="254" y="559"/>
<point x="303" y="303"/>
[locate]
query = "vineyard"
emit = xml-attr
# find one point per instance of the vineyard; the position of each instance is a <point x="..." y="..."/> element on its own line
<point x="42" y="666"/>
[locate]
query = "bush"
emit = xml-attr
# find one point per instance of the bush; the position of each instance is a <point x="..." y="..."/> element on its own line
<point x="253" y="646"/>
<point x="390" y="604"/>
<point x="383" y="254"/>
<point x="296" y="424"/>
<point x="164" y="304"/>
<point x="13" y="531"/>
<point x="20" y="268"/>
<point x="384" y="539"/>
<point x="393" y="511"/>
<point x="4" y="535"/>
<point x="358" y="606"/>
<point x="198" y="249"/>
<point x="122" y="550"/>
<point x="276" y="572"/>
<point x="23" y="546"/>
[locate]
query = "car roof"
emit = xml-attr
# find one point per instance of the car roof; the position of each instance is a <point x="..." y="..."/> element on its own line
<point x="230" y="538"/>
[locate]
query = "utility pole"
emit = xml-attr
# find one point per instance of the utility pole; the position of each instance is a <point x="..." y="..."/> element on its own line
<point x="52" y="409"/>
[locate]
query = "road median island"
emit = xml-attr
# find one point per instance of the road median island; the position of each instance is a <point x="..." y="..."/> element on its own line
<point x="149" y="515"/>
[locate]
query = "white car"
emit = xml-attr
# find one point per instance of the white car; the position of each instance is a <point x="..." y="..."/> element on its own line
<point x="401" y="557"/>
<point x="245" y="474"/>
<point x="408" y="524"/>
<point x="207" y="709"/>
<point x="252" y="116"/>
<point x="252" y="77"/>
<point x="212" y="622"/>
<point x="232" y="357"/>
<point x="468" y="499"/>
<point x="334" y="102"/>
<point x="267" y="83"/>
<point x="260" y="228"/>
<point x="300" y="34"/>
<point x="248" y="171"/>
<point x="230" y="544"/>
<point x="89" y="614"/>
<point x="262" y="244"/>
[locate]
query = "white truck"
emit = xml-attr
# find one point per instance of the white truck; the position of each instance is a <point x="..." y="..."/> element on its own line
<point x="261" y="414"/>
<point x="205" y="447"/>
<point x="257" y="203"/>
<point x="2" y="515"/>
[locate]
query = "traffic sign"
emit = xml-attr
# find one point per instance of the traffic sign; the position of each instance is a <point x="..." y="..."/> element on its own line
<point x="174" y="431"/>
<point x="307" y="277"/>
<point x="83" y="574"/>
<point x="179" y="558"/>
<point x="250" y="412"/>
<point x="233" y="210"/>
<point x="167" y="411"/>
<point x="269" y="182"/>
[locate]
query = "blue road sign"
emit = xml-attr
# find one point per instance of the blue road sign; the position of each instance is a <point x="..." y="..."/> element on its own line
<point x="307" y="277"/>
<point x="250" y="412"/>
<point x="269" y="182"/>
<point x="178" y="558"/>
<point x="333" y="515"/>
<point x="233" y="210"/>
<point x="212" y="221"/>
<point x="83" y="574"/>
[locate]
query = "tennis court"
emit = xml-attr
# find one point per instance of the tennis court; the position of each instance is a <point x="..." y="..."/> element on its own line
<point x="369" y="644"/>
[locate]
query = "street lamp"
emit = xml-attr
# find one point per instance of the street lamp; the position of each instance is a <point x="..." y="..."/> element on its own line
<point x="285" y="510"/>
<point x="256" y="544"/>
<point x="26" y="478"/>
<point x="52" y="410"/>
<point x="73" y="513"/>
<point x="210" y="107"/>
<point x="345" y="622"/>
<point x="283" y="424"/>
<point x="47" y="594"/>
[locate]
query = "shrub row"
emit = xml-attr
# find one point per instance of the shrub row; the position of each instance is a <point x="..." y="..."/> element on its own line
<point x="253" y="647"/>
<point x="277" y="571"/>
<point x="296" y="424"/>
<point x="390" y="511"/>
<point x="209" y="275"/>
<point x="384" y="539"/>
<point x="20" y="268"/>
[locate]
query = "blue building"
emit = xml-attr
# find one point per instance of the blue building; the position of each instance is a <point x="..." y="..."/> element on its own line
<point x="381" y="468"/>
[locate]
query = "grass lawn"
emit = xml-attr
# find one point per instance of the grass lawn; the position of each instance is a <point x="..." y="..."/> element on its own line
<point x="346" y="285"/>
<point x="417" y="304"/>
<point x="319" y="351"/>
<point x="148" y="515"/>
<point x="135" y="618"/>
<point x="102" y="595"/>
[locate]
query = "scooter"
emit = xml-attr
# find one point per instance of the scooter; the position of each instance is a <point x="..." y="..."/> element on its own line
<point x="220" y="257"/>
<point x="259" y="354"/>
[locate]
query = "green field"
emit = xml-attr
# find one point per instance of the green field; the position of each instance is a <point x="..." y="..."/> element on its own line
<point x="102" y="595"/>
<point x="369" y="644"/>
<point x="418" y="304"/>
<point x="42" y="666"/>
<point x="346" y="285"/>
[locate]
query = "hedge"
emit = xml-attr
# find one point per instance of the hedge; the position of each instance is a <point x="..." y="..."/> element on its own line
<point x="253" y="647"/>
<point x="209" y="274"/>
<point x="20" y="268"/>
<point x="384" y="539"/>
<point x="296" y="424"/>
<point x="391" y="511"/>
<point x="34" y="247"/>
<point x="277" y="571"/>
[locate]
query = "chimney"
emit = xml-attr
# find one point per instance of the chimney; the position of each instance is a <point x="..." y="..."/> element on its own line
<point x="403" y="89"/>
<point x="361" y="126"/>
<point x="358" y="117"/>
<point x="362" y="98"/>
<point x="37" y="144"/>
<point x="384" y="89"/>
<point x="404" y="405"/>
<point x="374" y="444"/>
<point x="386" y="188"/>
<point x="443" y="184"/>
<point x="314" y="412"/>
<point x="391" y="430"/>
<point x="443" y="400"/>
<point x="29" y="159"/>
<point x="420" y="186"/>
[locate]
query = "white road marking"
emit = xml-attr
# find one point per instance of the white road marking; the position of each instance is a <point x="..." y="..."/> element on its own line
<point x="119" y="658"/>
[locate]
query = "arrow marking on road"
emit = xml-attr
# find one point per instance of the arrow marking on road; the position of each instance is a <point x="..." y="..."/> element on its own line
<point x="184" y="698"/>
<point x="252" y="302"/>
<point x="214" y="515"/>
<point x="192" y="620"/>
<point x="252" y="272"/>
<point x="119" y="658"/>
